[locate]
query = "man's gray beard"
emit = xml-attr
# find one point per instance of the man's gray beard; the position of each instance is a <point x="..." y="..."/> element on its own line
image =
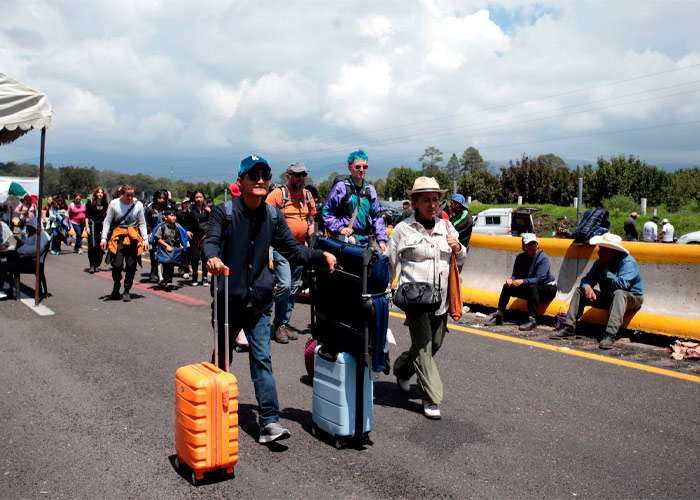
<point x="297" y="186"/>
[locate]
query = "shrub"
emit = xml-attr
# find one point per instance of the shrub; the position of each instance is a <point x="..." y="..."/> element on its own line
<point x="623" y="203"/>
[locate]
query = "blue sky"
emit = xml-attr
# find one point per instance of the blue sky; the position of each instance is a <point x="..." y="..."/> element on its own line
<point x="140" y="85"/>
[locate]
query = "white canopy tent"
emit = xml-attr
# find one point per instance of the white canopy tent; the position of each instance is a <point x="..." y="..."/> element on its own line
<point x="21" y="110"/>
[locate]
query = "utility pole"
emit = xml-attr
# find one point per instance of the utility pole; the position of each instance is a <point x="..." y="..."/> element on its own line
<point x="579" y="206"/>
<point x="171" y="173"/>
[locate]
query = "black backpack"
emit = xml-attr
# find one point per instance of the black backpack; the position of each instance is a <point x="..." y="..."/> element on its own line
<point x="593" y="219"/>
<point x="349" y="189"/>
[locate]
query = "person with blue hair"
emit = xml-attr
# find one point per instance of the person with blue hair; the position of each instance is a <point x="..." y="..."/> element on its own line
<point x="352" y="209"/>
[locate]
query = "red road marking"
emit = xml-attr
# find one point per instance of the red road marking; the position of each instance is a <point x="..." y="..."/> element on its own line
<point x="155" y="290"/>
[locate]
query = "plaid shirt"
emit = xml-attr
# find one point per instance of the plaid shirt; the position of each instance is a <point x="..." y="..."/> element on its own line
<point x="416" y="251"/>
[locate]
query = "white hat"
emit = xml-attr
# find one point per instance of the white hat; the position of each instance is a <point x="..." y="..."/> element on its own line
<point x="529" y="238"/>
<point x="425" y="185"/>
<point x="664" y="221"/>
<point x="609" y="240"/>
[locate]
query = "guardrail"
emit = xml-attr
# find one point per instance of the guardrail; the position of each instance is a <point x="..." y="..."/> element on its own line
<point x="670" y="278"/>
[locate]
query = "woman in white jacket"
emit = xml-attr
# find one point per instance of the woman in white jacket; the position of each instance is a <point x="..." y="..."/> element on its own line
<point x="423" y="244"/>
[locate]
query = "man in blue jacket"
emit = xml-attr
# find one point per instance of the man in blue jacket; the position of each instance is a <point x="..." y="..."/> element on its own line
<point x="620" y="289"/>
<point x="239" y="236"/>
<point x="531" y="280"/>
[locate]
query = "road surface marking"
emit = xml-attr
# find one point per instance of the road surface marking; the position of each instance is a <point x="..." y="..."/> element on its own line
<point x="572" y="352"/>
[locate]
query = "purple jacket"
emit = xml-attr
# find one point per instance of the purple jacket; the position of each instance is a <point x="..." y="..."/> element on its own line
<point x="368" y="221"/>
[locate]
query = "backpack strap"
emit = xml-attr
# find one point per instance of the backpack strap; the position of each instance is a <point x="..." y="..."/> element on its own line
<point x="285" y="197"/>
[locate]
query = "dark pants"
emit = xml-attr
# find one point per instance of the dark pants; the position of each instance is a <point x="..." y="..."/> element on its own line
<point x="126" y="258"/>
<point x="165" y="272"/>
<point x="530" y="292"/>
<point x="195" y="256"/>
<point x="95" y="253"/>
<point x="257" y="330"/>
<point x="617" y="304"/>
<point x="56" y="239"/>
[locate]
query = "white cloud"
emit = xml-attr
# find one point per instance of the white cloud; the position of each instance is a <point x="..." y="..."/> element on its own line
<point x="196" y="77"/>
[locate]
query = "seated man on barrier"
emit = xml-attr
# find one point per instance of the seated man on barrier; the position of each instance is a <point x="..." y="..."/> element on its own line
<point x="24" y="256"/>
<point x="531" y="280"/>
<point x="617" y="275"/>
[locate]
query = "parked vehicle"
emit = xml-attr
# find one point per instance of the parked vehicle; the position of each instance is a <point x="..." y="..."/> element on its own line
<point x="505" y="221"/>
<point x="690" y="238"/>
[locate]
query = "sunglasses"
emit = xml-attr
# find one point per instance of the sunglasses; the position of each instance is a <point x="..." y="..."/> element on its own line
<point x="299" y="174"/>
<point x="256" y="175"/>
<point x="361" y="167"/>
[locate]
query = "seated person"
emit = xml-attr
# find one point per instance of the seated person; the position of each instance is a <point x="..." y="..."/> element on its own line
<point x="24" y="254"/>
<point x="531" y="280"/>
<point x="617" y="275"/>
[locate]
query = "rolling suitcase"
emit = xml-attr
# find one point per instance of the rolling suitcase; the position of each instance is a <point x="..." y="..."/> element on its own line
<point x="337" y="397"/>
<point x="206" y="410"/>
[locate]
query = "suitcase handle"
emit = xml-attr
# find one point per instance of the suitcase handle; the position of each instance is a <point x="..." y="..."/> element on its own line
<point x="216" y="318"/>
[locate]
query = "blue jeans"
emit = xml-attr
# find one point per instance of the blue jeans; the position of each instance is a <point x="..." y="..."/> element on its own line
<point x="287" y="279"/>
<point x="78" y="228"/>
<point x="257" y="331"/>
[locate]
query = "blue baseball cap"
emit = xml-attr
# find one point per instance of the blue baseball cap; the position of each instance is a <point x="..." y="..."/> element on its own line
<point x="249" y="162"/>
<point x="458" y="198"/>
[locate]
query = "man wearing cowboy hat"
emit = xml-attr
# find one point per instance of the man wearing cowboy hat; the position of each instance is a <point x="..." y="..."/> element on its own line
<point x="620" y="289"/>
<point x="666" y="231"/>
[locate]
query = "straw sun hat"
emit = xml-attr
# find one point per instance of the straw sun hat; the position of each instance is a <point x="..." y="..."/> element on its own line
<point x="609" y="240"/>
<point x="425" y="185"/>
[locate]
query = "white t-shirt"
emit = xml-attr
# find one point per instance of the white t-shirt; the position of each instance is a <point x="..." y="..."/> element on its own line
<point x="668" y="232"/>
<point x="650" y="231"/>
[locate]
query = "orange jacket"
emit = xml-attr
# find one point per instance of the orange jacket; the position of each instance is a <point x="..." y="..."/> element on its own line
<point x="131" y="233"/>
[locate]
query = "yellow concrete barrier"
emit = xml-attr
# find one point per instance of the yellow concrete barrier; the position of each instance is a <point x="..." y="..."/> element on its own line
<point x="670" y="276"/>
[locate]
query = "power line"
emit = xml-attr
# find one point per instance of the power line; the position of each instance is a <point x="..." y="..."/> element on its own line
<point x="493" y="108"/>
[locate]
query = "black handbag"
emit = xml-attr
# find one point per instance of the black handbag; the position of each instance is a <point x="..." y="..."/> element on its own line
<point x="418" y="297"/>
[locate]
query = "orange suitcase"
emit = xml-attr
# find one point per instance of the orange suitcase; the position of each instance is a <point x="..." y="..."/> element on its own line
<point x="206" y="411"/>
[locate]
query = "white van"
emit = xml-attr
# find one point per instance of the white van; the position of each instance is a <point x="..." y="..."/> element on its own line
<point x="505" y="221"/>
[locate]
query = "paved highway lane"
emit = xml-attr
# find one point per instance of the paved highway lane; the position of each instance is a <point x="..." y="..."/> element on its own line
<point x="88" y="410"/>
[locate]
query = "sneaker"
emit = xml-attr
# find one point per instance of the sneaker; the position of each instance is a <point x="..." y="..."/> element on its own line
<point x="126" y="297"/>
<point x="530" y="324"/>
<point x="80" y="251"/>
<point x="272" y="432"/>
<point x="91" y="270"/>
<point x="566" y="332"/>
<point x="607" y="342"/>
<point x="186" y="276"/>
<point x="205" y="282"/>
<point x="289" y="333"/>
<point x="431" y="410"/>
<point x="278" y="334"/>
<point x="404" y="385"/>
<point x="115" y="293"/>
<point x="194" y="283"/>
<point x="495" y="320"/>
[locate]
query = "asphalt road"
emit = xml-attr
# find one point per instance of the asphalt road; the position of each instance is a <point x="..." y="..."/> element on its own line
<point x="88" y="410"/>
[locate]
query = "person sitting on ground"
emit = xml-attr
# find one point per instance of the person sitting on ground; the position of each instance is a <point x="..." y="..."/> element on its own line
<point x="531" y="280"/>
<point x="23" y="257"/>
<point x="666" y="231"/>
<point x="168" y="235"/>
<point x="620" y="289"/>
<point x="631" y="233"/>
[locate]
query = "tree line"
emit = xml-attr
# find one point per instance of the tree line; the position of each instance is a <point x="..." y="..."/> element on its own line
<point x="544" y="179"/>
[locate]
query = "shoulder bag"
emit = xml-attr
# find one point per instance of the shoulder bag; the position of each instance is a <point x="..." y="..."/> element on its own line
<point x="419" y="296"/>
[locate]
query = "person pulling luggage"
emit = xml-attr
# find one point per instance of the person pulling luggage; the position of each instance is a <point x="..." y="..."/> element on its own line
<point x="239" y="236"/>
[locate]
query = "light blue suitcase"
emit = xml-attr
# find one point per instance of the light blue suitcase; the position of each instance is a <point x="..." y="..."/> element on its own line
<point x="335" y="397"/>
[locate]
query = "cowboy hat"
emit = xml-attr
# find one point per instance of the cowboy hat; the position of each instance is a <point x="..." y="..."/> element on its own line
<point x="425" y="185"/>
<point x="609" y="240"/>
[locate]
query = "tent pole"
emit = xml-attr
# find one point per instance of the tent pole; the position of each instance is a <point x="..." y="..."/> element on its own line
<point x="39" y="226"/>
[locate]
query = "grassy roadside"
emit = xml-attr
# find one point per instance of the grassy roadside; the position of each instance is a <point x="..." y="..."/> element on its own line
<point x="548" y="218"/>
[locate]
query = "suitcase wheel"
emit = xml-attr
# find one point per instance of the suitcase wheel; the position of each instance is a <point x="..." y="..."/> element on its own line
<point x="338" y="444"/>
<point x="177" y="463"/>
<point x="195" y="479"/>
<point x="314" y="430"/>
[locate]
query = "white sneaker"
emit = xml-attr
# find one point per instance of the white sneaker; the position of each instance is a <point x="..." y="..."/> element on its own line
<point x="404" y="385"/>
<point x="186" y="276"/>
<point x="431" y="411"/>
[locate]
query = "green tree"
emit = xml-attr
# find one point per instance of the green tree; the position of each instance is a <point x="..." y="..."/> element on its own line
<point x="452" y="169"/>
<point x="482" y="186"/>
<point x="76" y="180"/>
<point x="472" y="161"/>
<point x="324" y="188"/>
<point x="431" y="159"/>
<point x="398" y="181"/>
<point x="551" y="160"/>
<point x="529" y="178"/>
